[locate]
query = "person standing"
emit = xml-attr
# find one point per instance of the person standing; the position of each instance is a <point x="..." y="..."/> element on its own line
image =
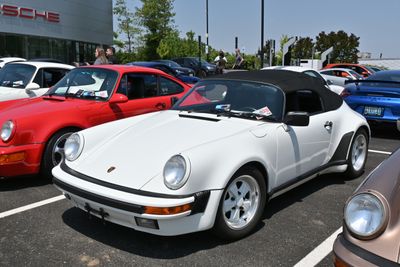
<point x="110" y="53"/>
<point x="100" y="56"/>
<point x="238" y="60"/>
<point x="220" y="61"/>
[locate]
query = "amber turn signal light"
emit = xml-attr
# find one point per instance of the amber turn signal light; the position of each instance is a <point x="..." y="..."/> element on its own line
<point x="11" y="158"/>
<point x="167" y="210"/>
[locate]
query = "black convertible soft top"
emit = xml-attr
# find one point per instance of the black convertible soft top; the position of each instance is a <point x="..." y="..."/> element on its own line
<point x="288" y="81"/>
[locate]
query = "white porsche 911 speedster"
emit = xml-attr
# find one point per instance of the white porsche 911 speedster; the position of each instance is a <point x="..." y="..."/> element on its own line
<point x="229" y="145"/>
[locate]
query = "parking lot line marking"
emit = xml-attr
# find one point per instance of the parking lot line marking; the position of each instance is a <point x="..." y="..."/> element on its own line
<point x="380" y="152"/>
<point x="320" y="252"/>
<point x="31" y="206"/>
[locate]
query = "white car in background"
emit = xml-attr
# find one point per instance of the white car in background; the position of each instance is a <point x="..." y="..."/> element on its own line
<point x="29" y="79"/>
<point x="5" y="60"/>
<point x="311" y="72"/>
<point x="340" y="75"/>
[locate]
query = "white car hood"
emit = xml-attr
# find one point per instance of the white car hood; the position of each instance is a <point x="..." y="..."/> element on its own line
<point x="9" y="93"/>
<point x="139" y="151"/>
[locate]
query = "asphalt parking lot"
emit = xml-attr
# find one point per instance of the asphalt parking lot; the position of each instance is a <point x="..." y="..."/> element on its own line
<point x="293" y="224"/>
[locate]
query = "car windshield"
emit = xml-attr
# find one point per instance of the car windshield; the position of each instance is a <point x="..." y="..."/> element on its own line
<point x="369" y="69"/>
<point x="16" y="75"/>
<point x="356" y="75"/>
<point x="233" y="98"/>
<point x="86" y="83"/>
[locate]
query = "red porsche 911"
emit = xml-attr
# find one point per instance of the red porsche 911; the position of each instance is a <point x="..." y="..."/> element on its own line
<point x="33" y="131"/>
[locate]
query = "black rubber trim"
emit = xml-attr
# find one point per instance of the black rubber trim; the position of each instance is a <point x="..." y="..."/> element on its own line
<point x="343" y="147"/>
<point x="365" y="254"/>
<point x="306" y="175"/>
<point x="198" y="117"/>
<point x="199" y="205"/>
<point x="200" y="202"/>
<point x="99" y="199"/>
<point x="82" y="176"/>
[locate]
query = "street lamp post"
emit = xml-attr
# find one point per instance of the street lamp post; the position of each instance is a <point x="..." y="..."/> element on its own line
<point x="262" y="34"/>
<point x="207" y="30"/>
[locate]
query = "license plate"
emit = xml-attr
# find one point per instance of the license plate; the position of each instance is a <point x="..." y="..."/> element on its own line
<point x="373" y="111"/>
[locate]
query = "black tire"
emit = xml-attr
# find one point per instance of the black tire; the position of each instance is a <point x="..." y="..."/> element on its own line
<point x="51" y="155"/>
<point x="201" y="74"/>
<point x="358" y="154"/>
<point x="225" y="227"/>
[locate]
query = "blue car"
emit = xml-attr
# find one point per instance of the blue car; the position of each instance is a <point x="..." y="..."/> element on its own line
<point x="179" y="73"/>
<point x="377" y="98"/>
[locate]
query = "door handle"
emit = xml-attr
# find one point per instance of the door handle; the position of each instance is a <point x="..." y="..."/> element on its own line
<point x="161" y="105"/>
<point x="328" y="124"/>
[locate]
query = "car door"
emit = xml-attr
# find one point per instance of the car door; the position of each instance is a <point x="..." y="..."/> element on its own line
<point x="332" y="76"/>
<point x="146" y="93"/>
<point x="303" y="149"/>
<point x="46" y="78"/>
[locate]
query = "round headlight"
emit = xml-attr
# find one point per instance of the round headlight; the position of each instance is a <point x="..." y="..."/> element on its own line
<point x="73" y="146"/>
<point x="7" y="130"/>
<point x="364" y="215"/>
<point x="176" y="172"/>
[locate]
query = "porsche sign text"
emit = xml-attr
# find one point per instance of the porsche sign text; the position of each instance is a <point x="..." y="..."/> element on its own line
<point x="29" y="13"/>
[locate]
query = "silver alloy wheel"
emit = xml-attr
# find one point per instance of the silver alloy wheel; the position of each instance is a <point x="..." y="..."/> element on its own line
<point x="359" y="152"/>
<point x="240" y="202"/>
<point x="57" y="153"/>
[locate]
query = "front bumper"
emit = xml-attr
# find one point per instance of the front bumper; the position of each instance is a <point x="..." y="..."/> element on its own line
<point x="348" y="254"/>
<point x="127" y="208"/>
<point x="20" y="160"/>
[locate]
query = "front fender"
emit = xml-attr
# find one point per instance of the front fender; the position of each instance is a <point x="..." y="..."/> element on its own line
<point x="214" y="164"/>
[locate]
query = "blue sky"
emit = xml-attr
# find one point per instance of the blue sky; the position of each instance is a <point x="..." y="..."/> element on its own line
<point x="375" y="22"/>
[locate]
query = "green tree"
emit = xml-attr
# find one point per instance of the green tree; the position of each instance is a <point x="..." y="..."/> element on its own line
<point x="156" y="18"/>
<point x="303" y="48"/>
<point x="126" y="22"/>
<point x="116" y="41"/>
<point x="190" y="45"/>
<point x="345" y="47"/>
<point x="171" y="46"/>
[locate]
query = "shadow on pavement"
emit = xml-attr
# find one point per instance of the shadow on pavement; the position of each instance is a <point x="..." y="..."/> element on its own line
<point x="299" y="193"/>
<point x="16" y="183"/>
<point x="384" y="131"/>
<point x="142" y="244"/>
<point x="160" y="247"/>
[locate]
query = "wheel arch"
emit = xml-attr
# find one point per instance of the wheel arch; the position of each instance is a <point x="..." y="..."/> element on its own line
<point x="73" y="128"/>
<point x="367" y="129"/>
<point x="259" y="166"/>
<point x="362" y="127"/>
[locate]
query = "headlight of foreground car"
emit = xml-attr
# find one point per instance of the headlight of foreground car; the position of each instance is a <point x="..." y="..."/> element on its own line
<point x="73" y="146"/>
<point x="365" y="216"/>
<point x="7" y="130"/>
<point x="176" y="172"/>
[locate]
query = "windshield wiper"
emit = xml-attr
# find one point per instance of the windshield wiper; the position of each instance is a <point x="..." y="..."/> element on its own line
<point x="257" y="116"/>
<point x="235" y="113"/>
<point x="243" y="114"/>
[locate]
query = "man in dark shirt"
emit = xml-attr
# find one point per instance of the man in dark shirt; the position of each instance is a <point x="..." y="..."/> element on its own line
<point x="110" y="55"/>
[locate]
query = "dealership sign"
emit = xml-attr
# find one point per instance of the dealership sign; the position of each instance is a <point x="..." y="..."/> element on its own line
<point x="29" y="13"/>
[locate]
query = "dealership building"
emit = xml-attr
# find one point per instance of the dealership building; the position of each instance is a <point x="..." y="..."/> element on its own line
<point x="66" y="30"/>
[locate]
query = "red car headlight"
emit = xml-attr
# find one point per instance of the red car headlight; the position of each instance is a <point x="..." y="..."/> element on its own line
<point x="7" y="131"/>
